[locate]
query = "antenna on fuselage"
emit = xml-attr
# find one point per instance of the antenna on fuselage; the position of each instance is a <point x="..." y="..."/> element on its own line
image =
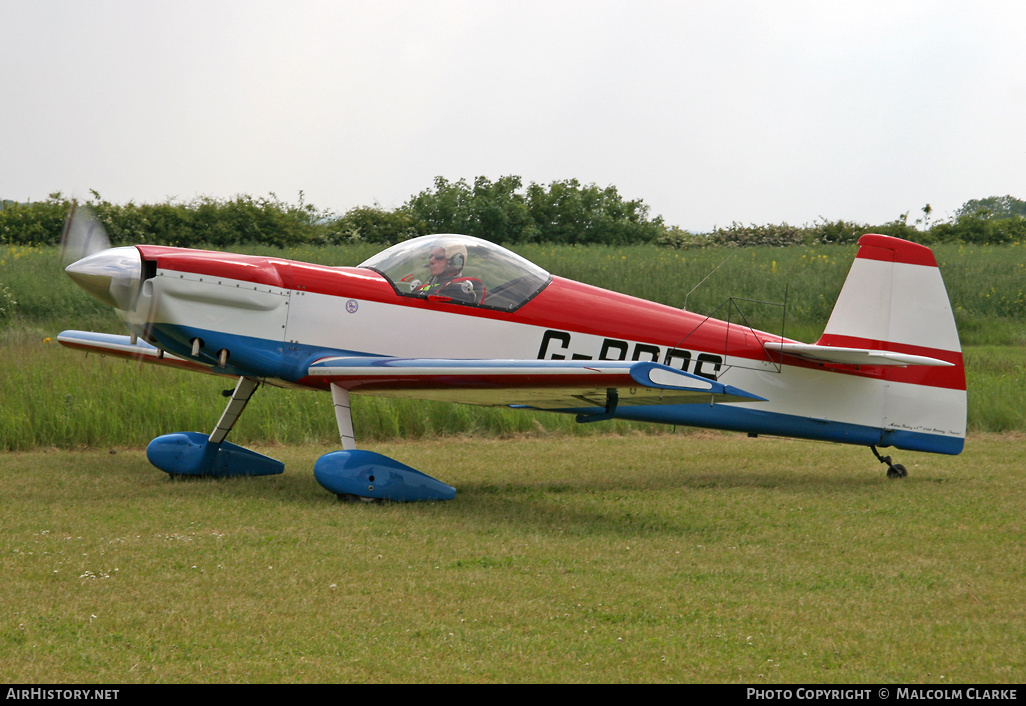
<point x="685" y="307"/>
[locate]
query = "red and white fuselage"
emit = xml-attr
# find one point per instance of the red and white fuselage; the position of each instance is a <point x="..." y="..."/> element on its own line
<point x="887" y="371"/>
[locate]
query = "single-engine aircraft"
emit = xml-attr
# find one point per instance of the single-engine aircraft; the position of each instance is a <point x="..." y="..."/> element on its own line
<point x="459" y="319"/>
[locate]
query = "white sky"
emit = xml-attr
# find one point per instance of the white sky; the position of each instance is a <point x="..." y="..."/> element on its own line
<point x="711" y="112"/>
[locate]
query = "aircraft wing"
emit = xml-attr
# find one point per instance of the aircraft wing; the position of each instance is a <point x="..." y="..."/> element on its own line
<point x="541" y="384"/>
<point x="125" y="347"/>
<point x="853" y="356"/>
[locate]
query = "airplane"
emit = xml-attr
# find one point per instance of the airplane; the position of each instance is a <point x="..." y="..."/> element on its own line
<point x="459" y="319"/>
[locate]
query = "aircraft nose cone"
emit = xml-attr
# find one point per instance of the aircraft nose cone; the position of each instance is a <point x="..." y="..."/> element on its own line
<point x="112" y="276"/>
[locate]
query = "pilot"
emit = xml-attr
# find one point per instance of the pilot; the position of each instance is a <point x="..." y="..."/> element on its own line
<point x="445" y="269"/>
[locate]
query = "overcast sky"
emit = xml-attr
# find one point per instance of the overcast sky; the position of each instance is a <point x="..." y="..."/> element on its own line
<point x="711" y="112"/>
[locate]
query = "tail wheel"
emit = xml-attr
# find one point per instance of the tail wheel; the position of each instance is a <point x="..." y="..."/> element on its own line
<point x="896" y="471"/>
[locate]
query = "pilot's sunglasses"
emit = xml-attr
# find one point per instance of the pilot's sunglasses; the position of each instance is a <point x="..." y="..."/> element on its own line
<point x="436" y="257"/>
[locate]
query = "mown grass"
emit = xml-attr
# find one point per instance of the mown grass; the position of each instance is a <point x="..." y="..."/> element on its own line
<point x="705" y="558"/>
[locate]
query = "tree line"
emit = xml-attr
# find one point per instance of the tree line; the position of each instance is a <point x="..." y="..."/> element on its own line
<point x="502" y="211"/>
<point x="993" y="220"/>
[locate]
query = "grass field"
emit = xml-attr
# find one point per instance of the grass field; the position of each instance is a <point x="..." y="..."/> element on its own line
<point x="53" y="397"/>
<point x="609" y="552"/>
<point x="986" y="284"/>
<point x="702" y="558"/>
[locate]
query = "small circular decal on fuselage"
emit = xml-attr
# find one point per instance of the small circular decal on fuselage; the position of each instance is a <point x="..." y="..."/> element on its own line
<point x="352" y="305"/>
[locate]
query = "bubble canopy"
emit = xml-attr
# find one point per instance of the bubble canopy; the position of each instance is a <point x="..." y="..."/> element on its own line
<point x="503" y="280"/>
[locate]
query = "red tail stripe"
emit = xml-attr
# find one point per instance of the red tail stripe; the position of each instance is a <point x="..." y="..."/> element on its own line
<point x="888" y="249"/>
<point x="952" y="378"/>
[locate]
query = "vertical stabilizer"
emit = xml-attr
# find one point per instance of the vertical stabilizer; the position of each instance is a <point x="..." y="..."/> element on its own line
<point x="894" y="300"/>
<point x="894" y="294"/>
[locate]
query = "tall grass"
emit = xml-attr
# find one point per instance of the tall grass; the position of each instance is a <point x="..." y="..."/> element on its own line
<point x="50" y="396"/>
<point x="53" y="397"/>
<point x="986" y="284"/>
<point x="996" y="383"/>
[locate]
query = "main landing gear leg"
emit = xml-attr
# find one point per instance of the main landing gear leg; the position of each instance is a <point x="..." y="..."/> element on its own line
<point x="895" y="470"/>
<point x="368" y="476"/>
<point x="244" y="390"/>
<point x="190" y="453"/>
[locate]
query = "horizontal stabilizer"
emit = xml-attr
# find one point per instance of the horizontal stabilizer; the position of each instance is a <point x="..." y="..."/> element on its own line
<point x="544" y="384"/>
<point x="853" y="356"/>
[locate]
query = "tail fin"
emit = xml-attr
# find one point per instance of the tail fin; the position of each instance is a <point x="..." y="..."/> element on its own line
<point x="894" y="300"/>
<point x="894" y="294"/>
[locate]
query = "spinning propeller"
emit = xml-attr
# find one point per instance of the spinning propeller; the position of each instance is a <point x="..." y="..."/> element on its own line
<point x="115" y="277"/>
<point x="112" y="275"/>
<point x="83" y="235"/>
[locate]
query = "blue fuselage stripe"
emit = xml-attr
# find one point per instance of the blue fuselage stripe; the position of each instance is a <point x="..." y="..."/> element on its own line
<point x="290" y="362"/>
<point x="756" y="421"/>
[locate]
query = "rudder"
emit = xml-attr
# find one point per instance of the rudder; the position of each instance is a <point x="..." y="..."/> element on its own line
<point x="894" y="299"/>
